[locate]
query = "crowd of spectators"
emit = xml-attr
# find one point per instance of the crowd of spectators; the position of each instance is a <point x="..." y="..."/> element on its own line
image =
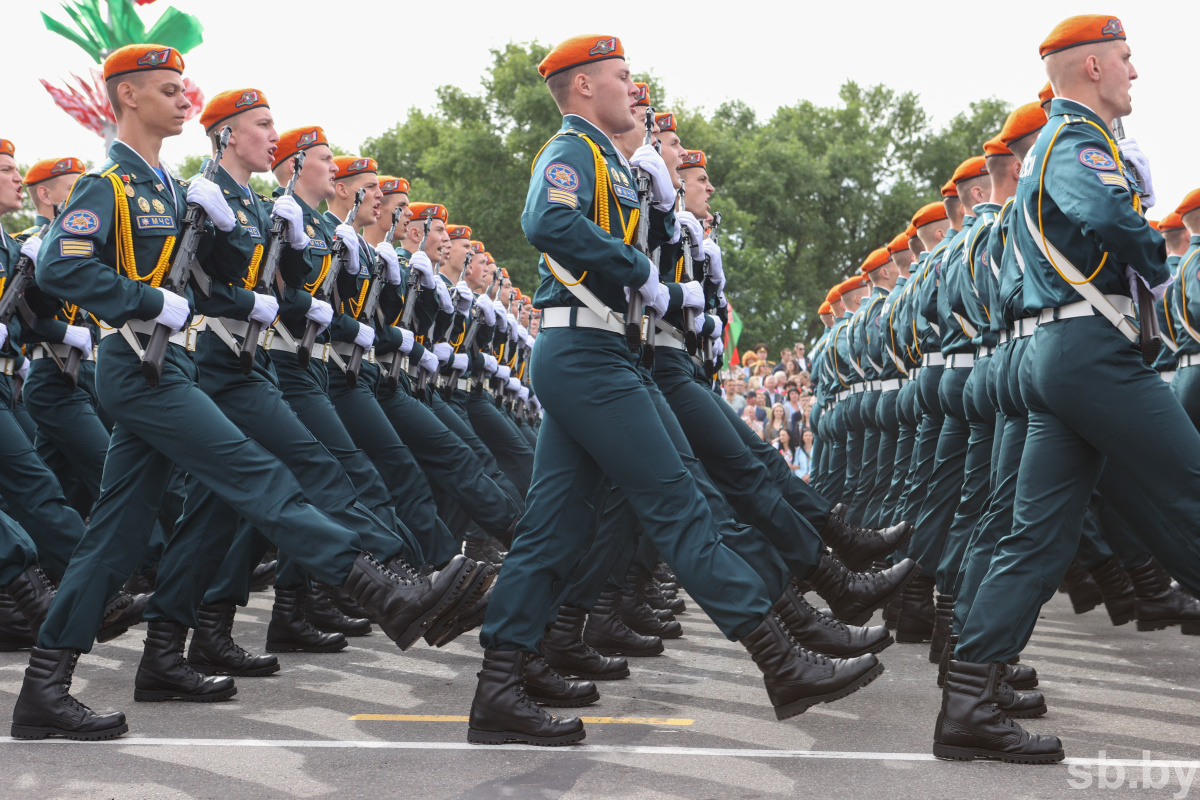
<point x="775" y="399"/>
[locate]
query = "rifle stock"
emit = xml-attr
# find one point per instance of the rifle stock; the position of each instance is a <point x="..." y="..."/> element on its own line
<point x="304" y="349"/>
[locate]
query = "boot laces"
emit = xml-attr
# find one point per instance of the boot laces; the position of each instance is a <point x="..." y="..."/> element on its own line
<point x="47" y="584"/>
<point x="821" y="617"/>
<point x="403" y="580"/>
<point x="67" y="698"/>
<point x="802" y="652"/>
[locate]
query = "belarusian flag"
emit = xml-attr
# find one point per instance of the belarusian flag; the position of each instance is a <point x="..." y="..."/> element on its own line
<point x="733" y="332"/>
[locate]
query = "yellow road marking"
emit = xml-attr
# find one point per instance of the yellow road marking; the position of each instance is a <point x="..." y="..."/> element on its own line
<point x="592" y="720"/>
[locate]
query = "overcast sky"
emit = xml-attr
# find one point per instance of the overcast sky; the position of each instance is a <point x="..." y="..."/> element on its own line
<point x="356" y="67"/>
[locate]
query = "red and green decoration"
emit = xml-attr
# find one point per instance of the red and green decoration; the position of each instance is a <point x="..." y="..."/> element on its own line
<point x="733" y="332"/>
<point x="98" y="27"/>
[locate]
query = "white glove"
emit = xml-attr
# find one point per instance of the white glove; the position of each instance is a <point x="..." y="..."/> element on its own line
<point x="79" y="338"/>
<point x="443" y="297"/>
<point x="522" y="332"/>
<point x="365" y="337"/>
<point x="1137" y="161"/>
<point x="512" y="322"/>
<point x="654" y="293"/>
<point x="716" y="270"/>
<point x="514" y="384"/>
<point x="207" y="195"/>
<point x="3" y="336"/>
<point x="490" y="365"/>
<point x="718" y="327"/>
<point x="463" y="298"/>
<point x="460" y="362"/>
<point x="523" y="393"/>
<point x="443" y="352"/>
<point x="528" y="340"/>
<point x="406" y="340"/>
<point x="1133" y="277"/>
<point x="484" y="304"/>
<point x="31" y="247"/>
<point x="693" y="295"/>
<point x="174" y="312"/>
<point x="502" y="372"/>
<point x="718" y="347"/>
<point x="423" y="267"/>
<point x="320" y="312"/>
<point x="535" y="404"/>
<point x="501" y="320"/>
<point x="23" y="370"/>
<point x="429" y="362"/>
<point x="347" y="235"/>
<point x="391" y="261"/>
<point x="266" y="308"/>
<point x="662" y="190"/>
<point x="687" y="219"/>
<point x="288" y="210"/>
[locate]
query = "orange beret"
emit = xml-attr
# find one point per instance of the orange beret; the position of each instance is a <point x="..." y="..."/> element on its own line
<point x="424" y="211"/>
<point x="973" y="167"/>
<point x="933" y="212"/>
<point x="949" y="189"/>
<point x="491" y="260"/>
<point x="142" y="57"/>
<point x="911" y="230"/>
<point x="1153" y="224"/>
<point x="825" y="309"/>
<point x="877" y="259"/>
<point x="52" y="168"/>
<point x="692" y="159"/>
<point x="476" y="246"/>
<point x="459" y="231"/>
<point x="228" y="104"/>
<point x="295" y="140"/>
<point x="349" y="166"/>
<point x="1046" y="94"/>
<point x="900" y="242"/>
<point x="851" y="284"/>
<point x="580" y="50"/>
<point x="7" y="148"/>
<point x="643" y="94"/>
<point x="1190" y="203"/>
<point x="665" y="122"/>
<point x="834" y="295"/>
<point x="1029" y="118"/>
<point x="389" y="184"/>
<point x="995" y="147"/>
<point x="1171" y="222"/>
<point x="1084" y="29"/>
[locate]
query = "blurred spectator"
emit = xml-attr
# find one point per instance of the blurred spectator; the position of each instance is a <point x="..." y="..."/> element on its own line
<point x="791" y="368"/>
<point x="749" y="362"/>
<point x="752" y="407"/>
<point x="784" y="355"/>
<point x="750" y="419"/>
<point x="801" y="359"/>
<point x="783" y="443"/>
<point x="771" y="393"/>
<point x="777" y="422"/>
<point x="802" y="459"/>
<point x="734" y="396"/>
<point x="762" y="369"/>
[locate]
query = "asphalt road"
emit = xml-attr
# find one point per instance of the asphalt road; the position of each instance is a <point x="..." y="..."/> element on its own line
<point x="693" y="723"/>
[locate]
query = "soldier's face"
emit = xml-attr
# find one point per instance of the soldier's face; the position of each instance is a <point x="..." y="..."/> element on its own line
<point x="386" y="207"/>
<point x="161" y="104"/>
<point x="1117" y="77"/>
<point x="254" y="138"/>
<point x="55" y="190"/>
<point x="316" y="179"/>
<point x="438" y="240"/>
<point x="479" y="274"/>
<point x="458" y="251"/>
<point x="672" y="153"/>
<point x="699" y="189"/>
<point x="10" y="185"/>
<point x="614" y="96"/>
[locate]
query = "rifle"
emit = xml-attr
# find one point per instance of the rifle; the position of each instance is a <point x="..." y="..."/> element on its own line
<point x="266" y="275"/>
<point x="476" y="322"/>
<point x="1150" y="338"/>
<point x="367" y="311"/>
<point x="710" y="361"/>
<point x="689" y="314"/>
<point x="340" y="255"/>
<point x="13" y="302"/>
<point x="633" y="317"/>
<point x="183" y="267"/>
<point x="409" y="315"/>
<point x="451" y="380"/>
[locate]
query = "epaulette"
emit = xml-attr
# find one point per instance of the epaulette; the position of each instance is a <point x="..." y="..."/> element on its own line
<point x="262" y="197"/>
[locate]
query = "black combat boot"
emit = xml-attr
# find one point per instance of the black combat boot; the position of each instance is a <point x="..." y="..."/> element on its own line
<point x="346" y="605"/>
<point x="32" y="592"/>
<point x="854" y="596"/>
<point x="15" y="633"/>
<point x="1082" y="591"/>
<point x="481" y="549"/>
<point x="501" y="711"/>
<point x="640" y="617"/>
<point x="663" y="574"/>
<point x="468" y="613"/>
<point x="914" y="620"/>
<point x="45" y="706"/>
<point x="122" y="613"/>
<point x="823" y="634"/>
<point x="943" y="620"/>
<point x="857" y="547"/>
<point x="971" y="724"/>
<point x="653" y="596"/>
<point x="947" y="657"/>
<point x="1158" y="603"/>
<point x="1020" y="676"/>
<point x="164" y="674"/>
<point x="565" y="650"/>
<point x="797" y="678"/>
<point x="1019" y="705"/>
<point x="214" y="652"/>
<point x="263" y="576"/>
<point x="548" y="688"/>
<point x="405" y="605"/>
<point x="1114" y="584"/>
<point x="142" y="582"/>
<point x="320" y="610"/>
<point x="290" y="632"/>
<point x="610" y="636"/>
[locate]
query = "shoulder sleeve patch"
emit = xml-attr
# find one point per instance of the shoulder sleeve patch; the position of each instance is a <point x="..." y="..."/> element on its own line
<point x="1113" y="179"/>
<point x="1097" y="159"/>
<point x="76" y="248"/>
<point x="562" y="198"/>
<point x="81" y="222"/>
<point x="562" y="176"/>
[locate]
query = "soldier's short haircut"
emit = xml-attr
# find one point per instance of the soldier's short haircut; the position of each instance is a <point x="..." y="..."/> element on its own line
<point x="110" y="88"/>
<point x="560" y="84"/>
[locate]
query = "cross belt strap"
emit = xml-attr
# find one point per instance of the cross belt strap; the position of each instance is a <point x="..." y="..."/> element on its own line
<point x="609" y="319"/>
<point x="1184" y="362"/>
